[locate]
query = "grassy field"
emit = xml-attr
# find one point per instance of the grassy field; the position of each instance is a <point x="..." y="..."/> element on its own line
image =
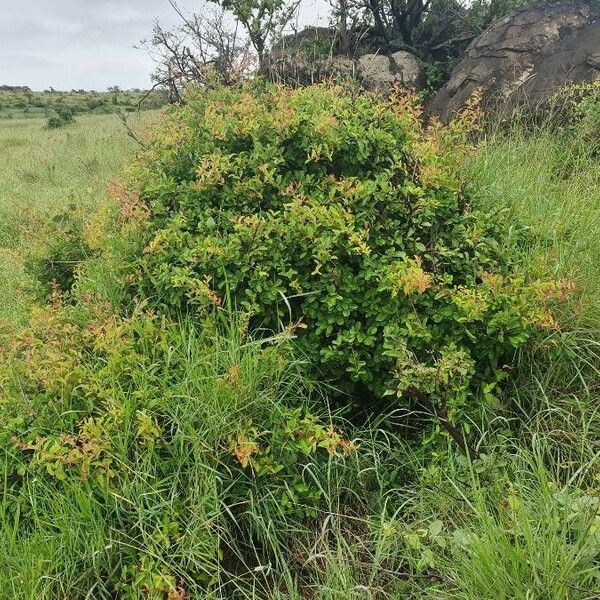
<point x="32" y="105"/>
<point x="141" y="498"/>
<point x="42" y="173"/>
<point x="549" y="182"/>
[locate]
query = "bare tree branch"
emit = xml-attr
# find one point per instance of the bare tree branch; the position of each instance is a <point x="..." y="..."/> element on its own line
<point x="203" y="50"/>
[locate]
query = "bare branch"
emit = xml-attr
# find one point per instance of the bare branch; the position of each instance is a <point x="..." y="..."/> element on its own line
<point x="130" y="131"/>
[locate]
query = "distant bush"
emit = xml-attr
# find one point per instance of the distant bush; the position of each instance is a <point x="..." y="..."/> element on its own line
<point x="339" y="218"/>
<point x="61" y="116"/>
<point x="94" y="103"/>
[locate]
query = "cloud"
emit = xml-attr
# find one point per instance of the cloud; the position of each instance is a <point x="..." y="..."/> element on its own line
<point x="77" y="43"/>
<point x="70" y="44"/>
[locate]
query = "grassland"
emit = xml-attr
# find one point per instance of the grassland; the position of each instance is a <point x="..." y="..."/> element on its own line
<point x="521" y="522"/>
<point x="22" y="105"/>
<point x="42" y="173"/>
<point x="551" y="183"/>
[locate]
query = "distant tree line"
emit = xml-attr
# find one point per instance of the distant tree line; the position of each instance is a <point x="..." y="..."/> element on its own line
<point x="61" y="107"/>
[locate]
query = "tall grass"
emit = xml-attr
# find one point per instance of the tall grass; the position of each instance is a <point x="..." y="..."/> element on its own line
<point x="550" y="181"/>
<point x="43" y="172"/>
<point x="524" y="528"/>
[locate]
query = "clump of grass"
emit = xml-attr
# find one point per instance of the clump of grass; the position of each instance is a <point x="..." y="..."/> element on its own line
<point x="525" y="527"/>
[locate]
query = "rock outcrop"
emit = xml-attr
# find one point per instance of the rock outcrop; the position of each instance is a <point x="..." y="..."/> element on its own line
<point x="304" y="58"/>
<point x="379" y="72"/>
<point x="526" y="57"/>
<point x="15" y="88"/>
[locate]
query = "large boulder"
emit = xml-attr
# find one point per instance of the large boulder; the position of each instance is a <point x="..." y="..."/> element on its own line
<point x="526" y="57"/>
<point x="378" y="72"/>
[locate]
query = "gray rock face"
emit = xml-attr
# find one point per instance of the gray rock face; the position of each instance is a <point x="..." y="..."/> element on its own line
<point x="379" y="72"/>
<point x="298" y="60"/>
<point x="407" y="67"/>
<point x="374" y="71"/>
<point x="526" y="57"/>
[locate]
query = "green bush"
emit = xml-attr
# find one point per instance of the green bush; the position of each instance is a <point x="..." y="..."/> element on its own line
<point x="142" y="448"/>
<point x="339" y="218"/>
<point x="55" y="263"/>
<point x="148" y="457"/>
<point x="61" y="116"/>
<point x="585" y="113"/>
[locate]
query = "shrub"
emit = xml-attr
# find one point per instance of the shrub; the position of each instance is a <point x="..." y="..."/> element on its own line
<point x="585" y="114"/>
<point x="55" y="264"/>
<point x="61" y="116"/>
<point x="145" y="444"/>
<point x="575" y="109"/>
<point x="338" y="217"/>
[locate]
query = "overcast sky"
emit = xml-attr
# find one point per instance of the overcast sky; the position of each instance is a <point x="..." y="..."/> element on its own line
<point x="72" y="44"/>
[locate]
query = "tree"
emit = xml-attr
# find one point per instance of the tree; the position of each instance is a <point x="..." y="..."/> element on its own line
<point x="261" y="19"/>
<point x="433" y="26"/>
<point x="348" y="18"/>
<point x="437" y="30"/>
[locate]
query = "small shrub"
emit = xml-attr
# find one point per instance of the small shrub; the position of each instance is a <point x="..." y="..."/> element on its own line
<point x="55" y="264"/>
<point x="585" y="114"/>
<point x="61" y="116"/>
<point x="340" y="218"/>
<point x="576" y="108"/>
<point x="174" y="433"/>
